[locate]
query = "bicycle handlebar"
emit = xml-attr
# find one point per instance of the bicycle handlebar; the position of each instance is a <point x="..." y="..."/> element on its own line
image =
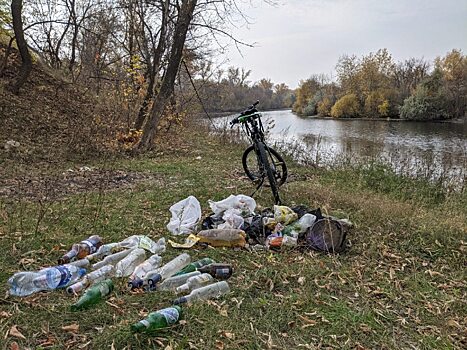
<point x="248" y="111"/>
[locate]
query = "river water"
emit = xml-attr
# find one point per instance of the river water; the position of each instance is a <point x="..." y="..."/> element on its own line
<point x="433" y="150"/>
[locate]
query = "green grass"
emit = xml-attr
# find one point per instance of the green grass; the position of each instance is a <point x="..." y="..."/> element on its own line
<point x="401" y="285"/>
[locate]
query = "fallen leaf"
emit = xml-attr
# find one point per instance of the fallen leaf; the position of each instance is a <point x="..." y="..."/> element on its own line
<point x="14" y="346"/>
<point x="223" y="312"/>
<point x="228" y="335"/>
<point x="453" y="323"/>
<point x="16" y="333"/>
<point x="73" y="328"/>
<point x="5" y="314"/>
<point x="301" y="280"/>
<point x="219" y="345"/>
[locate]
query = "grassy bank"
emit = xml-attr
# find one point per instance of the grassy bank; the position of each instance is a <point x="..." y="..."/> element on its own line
<point x="401" y="285"/>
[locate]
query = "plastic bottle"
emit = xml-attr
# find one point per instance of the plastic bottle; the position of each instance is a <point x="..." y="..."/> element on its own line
<point x="136" y="278"/>
<point x="92" y="277"/>
<point x="219" y="271"/>
<point x="299" y="226"/>
<point x="144" y="242"/>
<point x="195" y="282"/>
<point x="195" y="265"/>
<point x="159" y="319"/>
<point x="112" y="259"/>
<point x="26" y="283"/>
<point x="80" y="263"/>
<point x="94" y="294"/>
<point x="168" y="269"/>
<point x="223" y="237"/>
<point x="82" y="249"/>
<point x="127" y="265"/>
<point x="173" y="282"/>
<point x="103" y="251"/>
<point x="210" y="291"/>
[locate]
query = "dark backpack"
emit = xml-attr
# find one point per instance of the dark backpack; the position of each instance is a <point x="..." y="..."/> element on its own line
<point x="327" y="235"/>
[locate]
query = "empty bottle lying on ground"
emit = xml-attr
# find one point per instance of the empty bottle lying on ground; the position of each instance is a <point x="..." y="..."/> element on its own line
<point x="195" y="282"/>
<point x="82" y="249"/>
<point x="103" y="251"/>
<point x="92" y="277"/>
<point x="158" y="320"/>
<point x="144" y="242"/>
<point x="94" y="295"/>
<point x="127" y="265"/>
<point x="195" y="265"/>
<point x="29" y="282"/>
<point x="218" y="270"/>
<point x="173" y="282"/>
<point x="210" y="291"/>
<point x="136" y="278"/>
<point x="168" y="269"/>
<point x="223" y="237"/>
<point x="112" y="259"/>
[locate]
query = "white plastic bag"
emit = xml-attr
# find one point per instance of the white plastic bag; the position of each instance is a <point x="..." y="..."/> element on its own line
<point x="232" y="219"/>
<point x="245" y="204"/>
<point x="185" y="216"/>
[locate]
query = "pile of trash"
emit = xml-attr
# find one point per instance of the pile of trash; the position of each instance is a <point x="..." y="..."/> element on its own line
<point x="90" y="265"/>
<point x="237" y="222"/>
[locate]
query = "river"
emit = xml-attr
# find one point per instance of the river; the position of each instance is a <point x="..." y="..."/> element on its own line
<point x="433" y="150"/>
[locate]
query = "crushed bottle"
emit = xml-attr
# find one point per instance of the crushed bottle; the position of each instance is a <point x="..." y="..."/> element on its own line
<point x="158" y="320"/>
<point x="127" y="265"/>
<point x="29" y="282"/>
<point x="93" y="295"/>
<point x="144" y="242"/>
<point x="195" y="282"/>
<point x="210" y="291"/>
<point x="82" y="249"/>
<point x="223" y="237"/>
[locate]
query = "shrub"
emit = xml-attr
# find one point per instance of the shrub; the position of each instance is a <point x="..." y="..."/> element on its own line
<point x="346" y="107"/>
<point x="324" y="107"/>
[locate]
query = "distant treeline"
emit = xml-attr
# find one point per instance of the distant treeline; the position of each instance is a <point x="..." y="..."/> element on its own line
<point x="377" y="87"/>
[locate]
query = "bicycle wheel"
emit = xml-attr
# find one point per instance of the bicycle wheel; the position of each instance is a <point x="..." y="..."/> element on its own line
<point x="252" y="170"/>
<point x="264" y="158"/>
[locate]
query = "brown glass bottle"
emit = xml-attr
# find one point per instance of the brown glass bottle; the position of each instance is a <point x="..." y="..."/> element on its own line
<point x="82" y="249"/>
<point x="216" y="270"/>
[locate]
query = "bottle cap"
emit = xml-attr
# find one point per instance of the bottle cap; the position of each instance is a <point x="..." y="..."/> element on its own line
<point x="135" y="284"/>
<point x="153" y="280"/>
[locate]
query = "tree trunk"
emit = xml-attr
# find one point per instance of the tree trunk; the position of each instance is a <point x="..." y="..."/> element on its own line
<point x="181" y="28"/>
<point x="26" y="65"/>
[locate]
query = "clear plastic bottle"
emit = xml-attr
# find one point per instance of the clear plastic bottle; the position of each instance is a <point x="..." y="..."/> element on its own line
<point x="195" y="265"/>
<point x="112" y="259"/>
<point x="159" y="319"/>
<point x="136" y="278"/>
<point x="210" y="291"/>
<point x="173" y="282"/>
<point x="127" y="265"/>
<point x="144" y="242"/>
<point x="195" y="282"/>
<point x="92" y="277"/>
<point x="80" y="263"/>
<point x="168" y="269"/>
<point x="103" y="251"/>
<point x="26" y="283"/>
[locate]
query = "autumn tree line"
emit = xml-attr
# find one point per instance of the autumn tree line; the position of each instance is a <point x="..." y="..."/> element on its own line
<point x="375" y="86"/>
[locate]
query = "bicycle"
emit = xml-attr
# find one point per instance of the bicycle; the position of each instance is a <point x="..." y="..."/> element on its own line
<point x="260" y="161"/>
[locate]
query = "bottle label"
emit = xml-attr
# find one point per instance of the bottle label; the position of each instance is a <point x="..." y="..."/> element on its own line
<point x="146" y="243"/>
<point x="65" y="276"/>
<point x="170" y="314"/>
<point x="92" y="247"/>
<point x="203" y="279"/>
<point x="145" y="323"/>
<point x="222" y="272"/>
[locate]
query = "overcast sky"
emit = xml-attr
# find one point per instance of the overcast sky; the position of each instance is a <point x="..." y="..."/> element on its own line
<point x="297" y="38"/>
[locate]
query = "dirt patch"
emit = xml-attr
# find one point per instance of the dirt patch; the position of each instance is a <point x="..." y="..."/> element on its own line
<point x="72" y="181"/>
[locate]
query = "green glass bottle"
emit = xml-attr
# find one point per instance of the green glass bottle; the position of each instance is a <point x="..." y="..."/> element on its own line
<point x="158" y="319"/>
<point x="195" y="266"/>
<point x="93" y="295"/>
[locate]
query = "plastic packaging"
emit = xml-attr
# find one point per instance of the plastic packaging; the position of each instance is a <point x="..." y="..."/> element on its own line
<point x="92" y="277"/>
<point x="245" y="204"/>
<point x="94" y="295"/>
<point x="223" y="238"/>
<point x="144" y="242"/>
<point x="232" y="219"/>
<point x="210" y="291"/>
<point x="82" y="249"/>
<point x="159" y="319"/>
<point x="26" y="283"/>
<point x="127" y="265"/>
<point x="173" y="282"/>
<point x="299" y="226"/>
<point x="195" y="265"/>
<point x="185" y="216"/>
<point x="195" y="282"/>
<point x="136" y="278"/>
<point x="112" y="259"/>
<point x="219" y="271"/>
<point x="284" y="214"/>
<point x="168" y="269"/>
